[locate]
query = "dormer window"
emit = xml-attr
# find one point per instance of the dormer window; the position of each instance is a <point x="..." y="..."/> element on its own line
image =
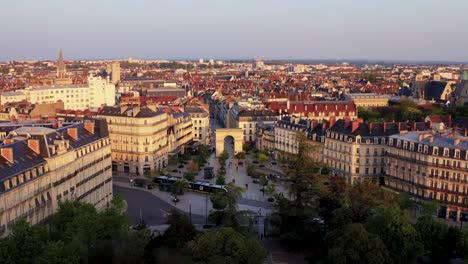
<point x="420" y="148"/>
<point x="411" y="146"/>
<point x="435" y="151"/>
<point x="426" y="149"/>
<point x="457" y="153"/>
<point x="446" y="152"/>
<point x="398" y="144"/>
<point x="405" y="145"/>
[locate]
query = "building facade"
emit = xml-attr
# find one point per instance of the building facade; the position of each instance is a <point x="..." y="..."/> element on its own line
<point x="41" y="166"/>
<point x="429" y="165"/>
<point x="144" y="137"/>
<point x="368" y="99"/>
<point x="356" y="150"/>
<point x="201" y="127"/>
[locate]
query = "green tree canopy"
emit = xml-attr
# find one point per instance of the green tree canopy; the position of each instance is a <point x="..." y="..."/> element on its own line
<point x="354" y="244"/>
<point x="225" y="245"/>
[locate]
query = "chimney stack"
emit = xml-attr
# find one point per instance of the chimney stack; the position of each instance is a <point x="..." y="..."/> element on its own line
<point x="7" y="153"/>
<point x="414" y="126"/>
<point x="332" y="121"/>
<point x="370" y="127"/>
<point x="89" y="126"/>
<point x="384" y="126"/>
<point x="33" y="144"/>
<point x="347" y="122"/>
<point x="355" y="125"/>
<point x="73" y="132"/>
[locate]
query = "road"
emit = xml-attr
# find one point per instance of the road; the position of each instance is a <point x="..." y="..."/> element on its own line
<point x="153" y="209"/>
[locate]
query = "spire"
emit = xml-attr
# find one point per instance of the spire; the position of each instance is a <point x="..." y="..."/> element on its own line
<point x="61" y="72"/>
<point x="60" y="56"/>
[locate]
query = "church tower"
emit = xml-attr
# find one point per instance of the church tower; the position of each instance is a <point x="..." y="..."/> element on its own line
<point x="61" y="77"/>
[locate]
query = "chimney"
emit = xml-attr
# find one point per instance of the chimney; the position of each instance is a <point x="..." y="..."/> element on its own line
<point x="73" y="132"/>
<point x="8" y="141"/>
<point x="355" y="125"/>
<point x="332" y="121"/>
<point x="324" y="126"/>
<point x="399" y="126"/>
<point x="33" y="144"/>
<point x="370" y="127"/>
<point x="288" y="104"/>
<point x="415" y="126"/>
<point x="7" y="153"/>
<point x="456" y="141"/>
<point x="384" y="126"/>
<point x="347" y="122"/>
<point x="314" y="124"/>
<point x="89" y="126"/>
<point x="449" y="120"/>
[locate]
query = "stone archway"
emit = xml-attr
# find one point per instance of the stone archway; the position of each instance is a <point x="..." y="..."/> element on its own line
<point x="236" y="133"/>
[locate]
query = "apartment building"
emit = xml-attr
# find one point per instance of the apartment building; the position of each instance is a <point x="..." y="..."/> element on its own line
<point x="201" y="128"/>
<point x="248" y="119"/>
<point x="287" y="130"/>
<point x="40" y="166"/>
<point x="430" y="165"/>
<point x="143" y="136"/>
<point x="317" y="110"/>
<point x="368" y="99"/>
<point x="97" y="92"/>
<point x="356" y="150"/>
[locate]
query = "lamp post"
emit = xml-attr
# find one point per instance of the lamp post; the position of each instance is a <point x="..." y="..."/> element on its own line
<point x="206" y="209"/>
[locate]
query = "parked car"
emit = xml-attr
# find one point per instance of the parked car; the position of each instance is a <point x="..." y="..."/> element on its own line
<point x="274" y="163"/>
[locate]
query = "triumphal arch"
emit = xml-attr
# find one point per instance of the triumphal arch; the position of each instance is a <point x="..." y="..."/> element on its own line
<point x="236" y="133"/>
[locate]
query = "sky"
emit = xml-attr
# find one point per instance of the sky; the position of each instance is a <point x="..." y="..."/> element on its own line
<point x="423" y="30"/>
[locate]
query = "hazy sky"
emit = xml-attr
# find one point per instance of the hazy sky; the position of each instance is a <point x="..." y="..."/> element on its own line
<point x="174" y="29"/>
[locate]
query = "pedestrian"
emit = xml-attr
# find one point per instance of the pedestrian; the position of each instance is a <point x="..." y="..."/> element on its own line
<point x="246" y="186"/>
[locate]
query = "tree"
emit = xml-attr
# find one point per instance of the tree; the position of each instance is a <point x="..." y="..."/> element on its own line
<point x="262" y="157"/>
<point x="220" y="180"/>
<point x="177" y="188"/>
<point x="293" y="215"/>
<point x="189" y="176"/>
<point x="180" y="230"/>
<point x="57" y="252"/>
<point x="225" y="245"/>
<point x="193" y="167"/>
<point x="223" y="157"/>
<point x="393" y="227"/>
<point x="240" y="155"/>
<point x="438" y="239"/>
<point x="354" y="244"/>
<point x="24" y="243"/>
<point x="225" y="206"/>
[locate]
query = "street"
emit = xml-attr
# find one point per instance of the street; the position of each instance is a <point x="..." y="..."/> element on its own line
<point x="153" y="209"/>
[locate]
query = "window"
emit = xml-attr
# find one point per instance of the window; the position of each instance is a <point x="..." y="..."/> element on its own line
<point x="357" y="170"/>
<point x="446" y="152"/>
<point x="435" y="151"/>
<point x="367" y="171"/>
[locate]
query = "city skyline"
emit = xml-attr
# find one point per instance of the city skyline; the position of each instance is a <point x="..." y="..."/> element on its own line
<point x="322" y="30"/>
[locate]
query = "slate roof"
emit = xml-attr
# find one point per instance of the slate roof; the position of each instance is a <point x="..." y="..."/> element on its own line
<point x="440" y="141"/>
<point x="26" y="159"/>
<point x="144" y="112"/>
<point x="376" y="129"/>
<point x="434" y="90"/>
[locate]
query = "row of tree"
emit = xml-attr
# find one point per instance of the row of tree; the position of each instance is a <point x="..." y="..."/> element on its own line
<point x="336" y="222"/>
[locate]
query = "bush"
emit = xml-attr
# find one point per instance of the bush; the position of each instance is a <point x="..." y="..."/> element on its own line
<point x="220" y="180"/>
<point x="189" y="176"/>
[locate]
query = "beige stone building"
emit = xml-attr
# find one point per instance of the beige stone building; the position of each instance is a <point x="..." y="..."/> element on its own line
<point x="143" y="137"/>
<point x="286" y="133"/>
<point x="41" y="166"/>
<point x="430" y="166"/>
<point x="356" y="150"/>
<point x="366" y="100"/>
<point x="201" y="128"/>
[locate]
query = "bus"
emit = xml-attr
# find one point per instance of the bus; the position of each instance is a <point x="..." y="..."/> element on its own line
<point x="165" y="182"/>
